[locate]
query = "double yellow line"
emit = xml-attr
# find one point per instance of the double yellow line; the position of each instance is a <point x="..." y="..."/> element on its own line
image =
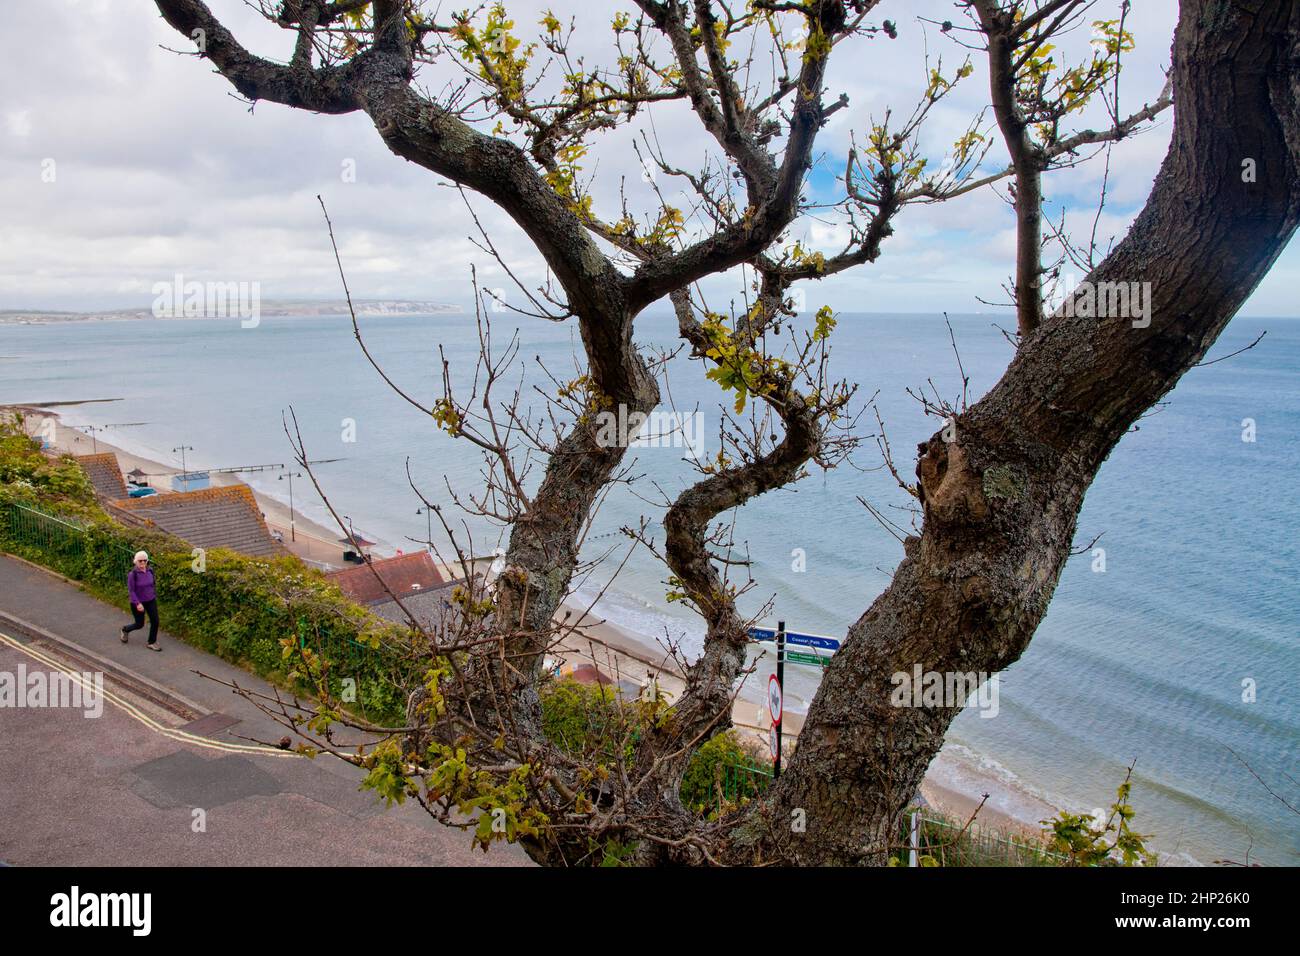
<point x="179" y="736"/>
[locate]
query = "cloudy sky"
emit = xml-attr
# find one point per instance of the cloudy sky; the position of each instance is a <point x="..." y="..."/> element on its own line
<point x="159" y="169"/>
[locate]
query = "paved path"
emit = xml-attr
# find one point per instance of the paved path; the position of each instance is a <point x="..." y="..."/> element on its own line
<point x="121" y="789"/>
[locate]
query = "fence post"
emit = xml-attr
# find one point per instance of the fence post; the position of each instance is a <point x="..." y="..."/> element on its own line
<point x="915" y="838"/>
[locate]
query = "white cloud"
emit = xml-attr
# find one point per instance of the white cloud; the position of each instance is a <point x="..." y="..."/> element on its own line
<point x="19" y="123"/>
<point x="162" y="169"/>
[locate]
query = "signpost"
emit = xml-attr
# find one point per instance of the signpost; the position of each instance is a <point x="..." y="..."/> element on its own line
<point x="818" y="641"/>
<point x="816" y="651"/>
<point x="798" y="657"/>
<point x="780" y="688"/>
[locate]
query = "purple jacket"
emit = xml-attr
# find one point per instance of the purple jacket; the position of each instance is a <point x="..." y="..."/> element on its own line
<point x="139" y="586"/>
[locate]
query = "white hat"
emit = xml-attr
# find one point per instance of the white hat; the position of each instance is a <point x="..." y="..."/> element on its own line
<point x="142" y="554"/>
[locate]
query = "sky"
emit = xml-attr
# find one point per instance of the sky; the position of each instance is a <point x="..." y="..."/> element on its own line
<point x="123" y="164"/>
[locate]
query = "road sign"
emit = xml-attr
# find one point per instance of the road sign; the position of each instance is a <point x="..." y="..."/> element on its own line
<point x="797" y="657"/>
<point x="774" y="699"/>
<point x="772" y="745"/>
<point x="791" y="637"/>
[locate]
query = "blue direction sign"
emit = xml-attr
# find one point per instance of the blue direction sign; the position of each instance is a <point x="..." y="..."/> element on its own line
<point x="793" y="637"/>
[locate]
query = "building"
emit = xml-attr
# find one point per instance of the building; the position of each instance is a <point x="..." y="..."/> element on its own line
<point x="227" y="516"/>
<point x="414" y="578"/>
<point x="190" y="481"/>
<point x="432" y="607"/>
<point x="105" y="474"/>
<point x="403" y="574"/>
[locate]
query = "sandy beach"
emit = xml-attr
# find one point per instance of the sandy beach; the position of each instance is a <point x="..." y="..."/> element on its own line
<point x="955" y="784"/>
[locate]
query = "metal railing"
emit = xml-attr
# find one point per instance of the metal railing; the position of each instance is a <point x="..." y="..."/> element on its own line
<point x="36" y="528"/>
<point x="953" y="844"/>
<point x="60" y="542"/>
<point x="340" y="650"/>
<point x="744" y="780"/>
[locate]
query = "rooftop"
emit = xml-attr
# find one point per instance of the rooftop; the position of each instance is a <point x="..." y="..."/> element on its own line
<point x="223" y="517"/>
<point x="105" y="474"/>
<point x="404" y="575"/>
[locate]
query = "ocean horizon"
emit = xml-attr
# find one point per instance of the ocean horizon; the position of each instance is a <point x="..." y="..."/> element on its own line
<point x="1148" y="654"/>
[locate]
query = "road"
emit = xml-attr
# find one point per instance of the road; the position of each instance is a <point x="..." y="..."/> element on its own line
<point x="165" y="775"/>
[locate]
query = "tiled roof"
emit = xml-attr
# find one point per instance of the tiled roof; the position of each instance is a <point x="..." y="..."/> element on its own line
<point x="222" y="517"/>
<point x="432" y="607"/>
<point x="105" y="474"/>
<point x="399" y="573"/>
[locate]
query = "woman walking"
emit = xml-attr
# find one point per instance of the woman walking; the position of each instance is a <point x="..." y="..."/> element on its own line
<point x="144" y="600"/>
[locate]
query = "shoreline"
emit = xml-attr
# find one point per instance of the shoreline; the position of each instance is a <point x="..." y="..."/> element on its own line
<point x="954" y="784"/>
<point x="314" y="540"/>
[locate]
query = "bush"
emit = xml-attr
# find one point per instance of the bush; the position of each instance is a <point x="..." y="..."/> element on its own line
<point x="717" y="757"/>
<point x="585" y="718"/>
<point x="28" y="476"/>
<point x="589" y="720"/>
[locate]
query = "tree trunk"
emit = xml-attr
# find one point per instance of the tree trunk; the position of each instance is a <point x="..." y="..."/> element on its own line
<point x="1001" y="499"/>
<point x="544" y="545"/>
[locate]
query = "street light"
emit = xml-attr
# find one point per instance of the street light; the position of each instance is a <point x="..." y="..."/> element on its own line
<point x="428" y="520"/>
<point x="291" y="476"/>
<point x="183" y="449"/>
<point x="94" y="442"/>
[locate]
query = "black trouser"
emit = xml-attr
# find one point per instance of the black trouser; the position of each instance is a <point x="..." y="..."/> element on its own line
<point x="150" y="608"/>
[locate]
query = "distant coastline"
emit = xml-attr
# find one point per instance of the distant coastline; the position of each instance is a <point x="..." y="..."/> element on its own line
<point x="280" y="309"/>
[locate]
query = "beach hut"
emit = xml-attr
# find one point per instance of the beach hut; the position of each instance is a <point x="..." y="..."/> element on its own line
<point x="358" y="541"/>
<point x="190" y="481"/>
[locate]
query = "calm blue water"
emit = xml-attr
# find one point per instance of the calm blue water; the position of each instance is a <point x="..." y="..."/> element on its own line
<point x="1145" y="661"/>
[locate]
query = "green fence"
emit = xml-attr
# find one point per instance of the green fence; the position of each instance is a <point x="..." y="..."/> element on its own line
<point x="62" y="543"/>
<point x="36" y="529"/>
<point x="744" y="780"/>
<point x="340" y="649"/>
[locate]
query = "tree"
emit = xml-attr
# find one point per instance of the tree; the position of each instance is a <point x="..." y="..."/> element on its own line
<point x="998" y="487"/>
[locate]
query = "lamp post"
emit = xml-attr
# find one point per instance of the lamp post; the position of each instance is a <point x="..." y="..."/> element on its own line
<point x="184" y="470"/>
<point x="94" y="442"/>
<point x="428" y="520"/>
<point x="291" y="476"/>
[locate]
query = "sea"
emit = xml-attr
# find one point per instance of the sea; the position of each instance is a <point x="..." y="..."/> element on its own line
<point x="1172" y="644"/>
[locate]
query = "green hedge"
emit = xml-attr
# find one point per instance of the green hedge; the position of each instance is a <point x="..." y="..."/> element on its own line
<point x="28" y="476"/>
<point x="236" y="607"/>
<point x="588" y="719"/>
<point x="723" y="759"/>
<point x="585" y="718"/>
